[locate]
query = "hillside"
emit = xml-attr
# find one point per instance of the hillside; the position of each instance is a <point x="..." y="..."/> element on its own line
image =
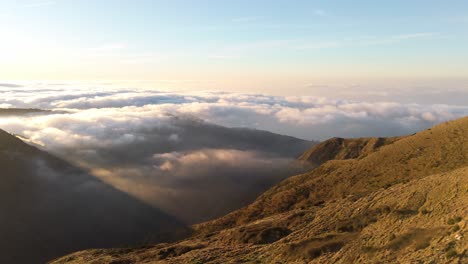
<point x="51" y="208"/>
<point x="402" y="200"/>
<point x="341" y="149"/>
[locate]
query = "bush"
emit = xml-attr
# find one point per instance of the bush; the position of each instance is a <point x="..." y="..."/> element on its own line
<point x="424" y="211"/>
<point x="451" y="253"/>
<point x="454" y="220"/>
<point x="422" y="245"/>
<point x="455" y="228"/>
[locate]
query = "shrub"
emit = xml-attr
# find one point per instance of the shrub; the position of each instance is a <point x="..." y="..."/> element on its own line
<point x="422" y="245"/>
<point x="424" y="211"/>
<point x="451" y="253"/>
<point x="455" y="228"/>
<point x="450" y="246"/>
<point x="454" y="220"/>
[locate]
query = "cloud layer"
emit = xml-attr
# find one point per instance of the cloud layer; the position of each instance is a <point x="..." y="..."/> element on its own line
<point x="175" y="150"/>
<point x="313" y="118"/>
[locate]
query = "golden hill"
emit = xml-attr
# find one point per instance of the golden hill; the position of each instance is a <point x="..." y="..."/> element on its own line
<point x="399" y="200"/>
<point x="341" y="149"/>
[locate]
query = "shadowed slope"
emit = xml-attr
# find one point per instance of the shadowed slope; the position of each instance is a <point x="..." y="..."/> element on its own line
<point x="50" y="208"/>
<point x="192" y="169"/>
<point x="406" y="223"/>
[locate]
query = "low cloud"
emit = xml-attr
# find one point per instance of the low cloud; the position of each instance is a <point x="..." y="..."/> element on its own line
<point x="201" y="184"/>
<point x="178" y="151"/>
<point x="313" y="118"/>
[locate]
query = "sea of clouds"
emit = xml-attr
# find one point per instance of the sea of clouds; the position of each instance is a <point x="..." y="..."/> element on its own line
<point x="176" y="151"/>
<point x="307" y="117"/>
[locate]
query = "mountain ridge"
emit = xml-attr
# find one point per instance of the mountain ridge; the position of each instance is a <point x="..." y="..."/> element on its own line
<point x="341" y="149"/>
<point x="400" y="202"/>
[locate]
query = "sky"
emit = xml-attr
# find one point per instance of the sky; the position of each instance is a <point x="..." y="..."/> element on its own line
<point x="326" y="48"/>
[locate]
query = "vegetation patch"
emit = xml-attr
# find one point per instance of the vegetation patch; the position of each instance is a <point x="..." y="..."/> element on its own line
<point x="357" y="223"/>
<point x="455" y="228"/>
<point x="260" y="234"/>
<point x="177" y="250"/>
<point x="318" y="246"/>
<point x="418" y="237"/>
<point x="454" y="220"/>
<point x="451" y="253"/>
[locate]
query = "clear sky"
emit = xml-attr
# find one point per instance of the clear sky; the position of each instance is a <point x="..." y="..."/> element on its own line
<point x="240" y="45"/>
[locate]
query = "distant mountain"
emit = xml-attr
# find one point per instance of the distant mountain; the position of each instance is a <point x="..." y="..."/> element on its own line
<point x="21" y="111"/>
<point x="50" y="208"/>
<point x="192" y="169"/>
<point x="397" y="200"/>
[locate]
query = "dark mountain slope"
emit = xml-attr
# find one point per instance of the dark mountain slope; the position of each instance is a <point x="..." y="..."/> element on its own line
<point x="50" y="208"/>
<point x="21" y="111"/>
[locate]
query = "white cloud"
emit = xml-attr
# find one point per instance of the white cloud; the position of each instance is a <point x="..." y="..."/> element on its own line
<point x="155" y="145"/>
<point x="307" y="117"/>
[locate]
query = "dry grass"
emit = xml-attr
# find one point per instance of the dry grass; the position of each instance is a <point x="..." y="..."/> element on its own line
<point x="398" y="203"/>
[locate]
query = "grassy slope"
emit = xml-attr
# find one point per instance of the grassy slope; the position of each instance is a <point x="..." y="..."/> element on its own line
<point x="392" y="204"/>
<point x="440" y="149"/>
<point x="342" y="149"/>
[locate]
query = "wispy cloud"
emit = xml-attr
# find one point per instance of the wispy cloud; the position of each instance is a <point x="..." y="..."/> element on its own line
<point x="239" y="50"/>
<point x="365" y="41"/>
<point x="416" y="35"/>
